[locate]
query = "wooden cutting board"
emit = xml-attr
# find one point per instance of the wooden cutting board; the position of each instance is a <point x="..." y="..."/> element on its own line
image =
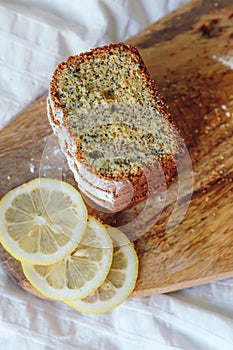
<point x="190" y="55"/>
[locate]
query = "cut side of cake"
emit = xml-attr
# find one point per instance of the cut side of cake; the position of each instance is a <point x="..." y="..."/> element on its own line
<point x="113" y="126"/>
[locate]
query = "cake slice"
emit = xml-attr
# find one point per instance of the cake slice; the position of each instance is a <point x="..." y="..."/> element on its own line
<point x="113" y="126"/>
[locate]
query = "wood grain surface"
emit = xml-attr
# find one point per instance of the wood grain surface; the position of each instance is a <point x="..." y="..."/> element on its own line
<point x="189" y="53"/>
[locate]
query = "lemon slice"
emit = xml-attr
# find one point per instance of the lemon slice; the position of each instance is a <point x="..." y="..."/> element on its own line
<point x="42" y="221"/>
<point x="120" y="281"/>
<point x="81" y="272"/>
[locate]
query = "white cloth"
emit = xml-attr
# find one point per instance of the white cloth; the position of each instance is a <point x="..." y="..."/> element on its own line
<point x="34" y="37"/>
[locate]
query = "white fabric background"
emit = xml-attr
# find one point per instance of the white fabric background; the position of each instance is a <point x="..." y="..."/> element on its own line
<point x="34" y="36"/>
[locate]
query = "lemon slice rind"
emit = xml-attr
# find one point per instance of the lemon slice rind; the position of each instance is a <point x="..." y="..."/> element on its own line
<point x="131" y="273"/>
<point x="65" y="293"/>
<point x="77" y="210"/>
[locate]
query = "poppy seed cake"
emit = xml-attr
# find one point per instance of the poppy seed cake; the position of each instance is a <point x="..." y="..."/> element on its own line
<point x="113" y="126"/>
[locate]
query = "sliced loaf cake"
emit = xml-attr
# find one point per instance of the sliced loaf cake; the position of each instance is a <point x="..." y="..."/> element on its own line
<point x="113" y="126"/>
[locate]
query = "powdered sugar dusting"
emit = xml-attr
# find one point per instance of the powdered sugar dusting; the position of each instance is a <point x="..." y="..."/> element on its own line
<point x="32" y="168"/>
<point x="226" y="60"/>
